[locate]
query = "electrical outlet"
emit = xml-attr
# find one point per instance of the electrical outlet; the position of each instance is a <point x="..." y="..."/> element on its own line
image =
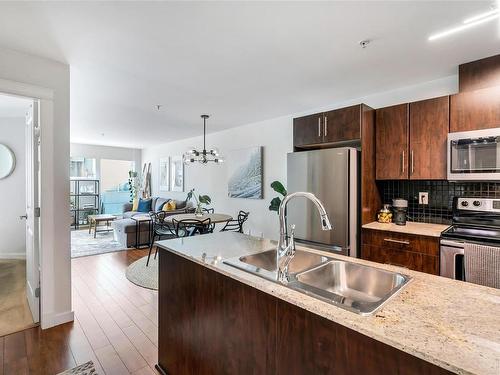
<point x="423" y="198"/>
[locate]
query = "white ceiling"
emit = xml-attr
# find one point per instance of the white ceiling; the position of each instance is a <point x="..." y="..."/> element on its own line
<point x="13" y="106"/>
<point x="238" y="61"/>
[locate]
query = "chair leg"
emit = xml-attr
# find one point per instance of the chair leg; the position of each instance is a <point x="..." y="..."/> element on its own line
<point x="150" y="249"/>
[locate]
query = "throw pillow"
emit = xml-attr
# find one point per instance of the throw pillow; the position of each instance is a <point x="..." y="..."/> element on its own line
<point x="135" y="204"/>
<point x="144" y="205"/>
<point x="169" y="206"/>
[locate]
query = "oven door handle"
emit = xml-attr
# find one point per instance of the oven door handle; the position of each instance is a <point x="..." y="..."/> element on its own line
<point x="451" y="243"/>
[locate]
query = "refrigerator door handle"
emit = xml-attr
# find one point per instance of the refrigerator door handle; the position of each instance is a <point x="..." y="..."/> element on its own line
<point x="319" y="126"/>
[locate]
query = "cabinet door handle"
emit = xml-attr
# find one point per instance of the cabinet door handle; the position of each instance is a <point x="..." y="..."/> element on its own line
<point x="325" y="126"/>
<point x="319" y="126"/>
<point x="412" y="162"/>
<point x="403" y="162"/>
<point x="403" y="242"/>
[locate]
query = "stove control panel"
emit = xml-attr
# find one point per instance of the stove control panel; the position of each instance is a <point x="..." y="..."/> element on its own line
<point x="479" y="204"/>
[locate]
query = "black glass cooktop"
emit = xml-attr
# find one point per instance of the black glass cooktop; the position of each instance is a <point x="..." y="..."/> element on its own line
<point x="473" y="233"/>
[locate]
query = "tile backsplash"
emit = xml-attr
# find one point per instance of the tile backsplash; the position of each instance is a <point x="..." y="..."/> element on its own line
<point x="441" y="193"/>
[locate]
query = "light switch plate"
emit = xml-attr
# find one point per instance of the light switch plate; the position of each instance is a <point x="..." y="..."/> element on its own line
<point x="423" y="198"/>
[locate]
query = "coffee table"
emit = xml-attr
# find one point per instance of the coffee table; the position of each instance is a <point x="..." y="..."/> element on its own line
<point x="94" y="221"/>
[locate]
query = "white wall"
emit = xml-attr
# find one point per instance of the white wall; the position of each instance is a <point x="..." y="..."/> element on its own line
<point x="276" y="137"/>
<point x="52" y="78"/>
<point x="12" y="229"/>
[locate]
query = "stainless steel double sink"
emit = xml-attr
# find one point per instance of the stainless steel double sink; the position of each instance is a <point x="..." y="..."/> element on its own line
<point x="352" y="286"/>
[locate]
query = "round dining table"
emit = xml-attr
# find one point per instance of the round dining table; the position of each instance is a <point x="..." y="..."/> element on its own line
<point x="215" y="218"/>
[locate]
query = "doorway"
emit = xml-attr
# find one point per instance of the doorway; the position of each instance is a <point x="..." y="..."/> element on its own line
<point x="19" y="222"/>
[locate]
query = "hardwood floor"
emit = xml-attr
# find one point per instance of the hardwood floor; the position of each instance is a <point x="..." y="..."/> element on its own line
<point x="15" y="314"/>
<point x="116" y="325"/>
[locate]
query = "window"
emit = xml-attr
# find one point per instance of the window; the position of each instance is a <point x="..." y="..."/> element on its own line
<point x="82" y="168"/>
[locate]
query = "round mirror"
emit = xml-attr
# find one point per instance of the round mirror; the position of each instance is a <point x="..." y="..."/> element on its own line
<point x="7" y="161"/>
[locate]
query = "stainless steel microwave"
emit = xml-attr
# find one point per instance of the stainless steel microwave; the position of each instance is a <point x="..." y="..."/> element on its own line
<point x="474" y="155"/>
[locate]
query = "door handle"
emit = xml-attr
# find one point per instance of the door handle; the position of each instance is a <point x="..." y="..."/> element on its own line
<point x="319" y="126"/>
<point x="412" y="159"/>
<point x="325" y="126"/>
<point x="403" y="162"/>
<point x="25" y="217"/>
<point x="403" y="242"/>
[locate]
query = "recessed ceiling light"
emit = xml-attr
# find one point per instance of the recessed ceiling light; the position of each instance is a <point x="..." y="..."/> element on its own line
<point x="468" y="23"/>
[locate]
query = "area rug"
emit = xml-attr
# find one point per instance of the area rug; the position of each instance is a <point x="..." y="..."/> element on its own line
<point x="85" y="369"/>
<point x="139" y="274"/>
<point x="84" y="244"/>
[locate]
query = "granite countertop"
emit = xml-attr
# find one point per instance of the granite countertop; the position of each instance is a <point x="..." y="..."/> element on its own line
<point x="423" y="229"/>
<point x="452" y="324"/>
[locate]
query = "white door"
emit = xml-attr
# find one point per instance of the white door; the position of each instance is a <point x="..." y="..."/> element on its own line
<point x="33" y="210"/>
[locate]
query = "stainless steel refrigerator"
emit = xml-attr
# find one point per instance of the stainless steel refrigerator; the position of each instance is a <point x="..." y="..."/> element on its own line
<point x="331" y="175"/>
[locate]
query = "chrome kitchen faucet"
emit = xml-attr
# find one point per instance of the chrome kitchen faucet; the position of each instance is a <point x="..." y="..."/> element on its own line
<point x="286" y="249"/>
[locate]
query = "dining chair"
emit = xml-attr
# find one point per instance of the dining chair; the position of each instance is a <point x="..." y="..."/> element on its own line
<point x="160" y="228"/>
<point x="190" y="227"/>
<point x="211" y="228"/>
<point x="236" y="225"/>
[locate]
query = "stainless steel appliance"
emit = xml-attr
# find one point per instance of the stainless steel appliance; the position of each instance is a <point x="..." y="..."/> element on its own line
<point x="474" y="155"/>
<point x="400" y="207"/>
<point x="332" y="176"/>
<point x="475" y="220"/>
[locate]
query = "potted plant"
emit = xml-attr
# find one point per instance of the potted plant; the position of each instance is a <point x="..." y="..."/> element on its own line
<point x="276" y="201"/>
<point x="200" y="200"/>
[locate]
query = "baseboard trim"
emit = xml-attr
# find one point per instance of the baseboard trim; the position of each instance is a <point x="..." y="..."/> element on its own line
<point x="51" y="320"/>
<point x="12" y="256"/>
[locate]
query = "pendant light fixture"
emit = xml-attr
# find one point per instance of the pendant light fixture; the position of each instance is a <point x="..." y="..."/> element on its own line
<point x="205" y="156"/>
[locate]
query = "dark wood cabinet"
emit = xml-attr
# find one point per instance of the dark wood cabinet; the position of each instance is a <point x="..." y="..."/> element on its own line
<point x="479" y="74"/>
<point x="415" y="252"/>
<point x="391" y="138"/>
<point x="475" y="110"/>
<point x="342" y="124"/>
<point x="429" y="126"/>
<point x="308" y="130"/>
<point x="411" y="140"/>
<point x="310" y="344"/>
<point x="212" y="324"/>
<point x="323" y="129"/>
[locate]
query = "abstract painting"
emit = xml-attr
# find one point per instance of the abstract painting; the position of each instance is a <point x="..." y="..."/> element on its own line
<point x="164" y="174"/>
<point x="176" y="173"/>
<point x="245" y="173"/>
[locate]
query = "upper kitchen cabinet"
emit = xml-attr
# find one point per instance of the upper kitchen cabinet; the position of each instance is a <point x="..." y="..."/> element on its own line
<point x="391" y="139"/>
<point x="321" y="129"/>
<point x="429" y="125"/>
<point x="308" y="130"/>
<point x="342" y="124"/>
<point x="475" y="110"/>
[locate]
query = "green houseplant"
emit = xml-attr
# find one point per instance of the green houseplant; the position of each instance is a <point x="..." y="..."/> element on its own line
<point x="200" y="200"/>
<point x="133" y="185"/>
<point x="276" y="201"/>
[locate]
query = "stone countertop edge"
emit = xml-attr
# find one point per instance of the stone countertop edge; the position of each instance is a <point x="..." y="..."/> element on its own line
<point x="422" y="229"/>
<point x="427" y="319"/>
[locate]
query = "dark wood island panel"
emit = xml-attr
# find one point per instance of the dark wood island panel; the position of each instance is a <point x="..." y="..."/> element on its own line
<point x="212" y="324"/>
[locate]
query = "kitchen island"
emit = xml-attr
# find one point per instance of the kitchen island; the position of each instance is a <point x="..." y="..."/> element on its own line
<point x="216" y="319"/>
